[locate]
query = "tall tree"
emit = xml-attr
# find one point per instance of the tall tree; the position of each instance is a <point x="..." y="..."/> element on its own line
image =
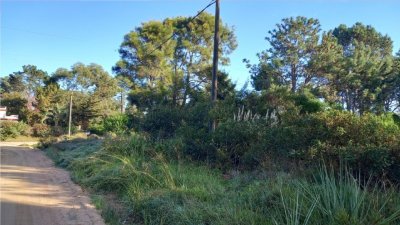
<point x="164" y="59"/>
<point x="145" y="65"/>
<point x="293" y="44"/>
<point x="94" y="90"/>
<point x="13" y="83"/>
<point x="20" y="91"/>
<point x="367" y="71"/>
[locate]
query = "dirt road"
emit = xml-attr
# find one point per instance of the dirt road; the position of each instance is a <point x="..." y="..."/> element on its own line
<point x="34" y="192"/>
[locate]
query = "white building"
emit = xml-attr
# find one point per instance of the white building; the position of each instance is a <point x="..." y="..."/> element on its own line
<point x="3" y="115"/>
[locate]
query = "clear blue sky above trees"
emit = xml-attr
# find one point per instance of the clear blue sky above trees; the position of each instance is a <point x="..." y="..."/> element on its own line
<point x="58" y="34"/>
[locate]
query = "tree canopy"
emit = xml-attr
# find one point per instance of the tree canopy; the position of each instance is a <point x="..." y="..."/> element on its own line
<point x="350" y="66"/>
<point x="165" y="60"/>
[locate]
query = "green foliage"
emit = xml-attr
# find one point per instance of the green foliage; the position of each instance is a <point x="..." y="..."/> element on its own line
<point x="27" y="81"/>
<point x="163" y="121"/>
<point x="116" y="124"/>
<point x="368" y="144"/>
<point x="349" y="66"/>
<point x="178" y="172"/>
<point x="41" y="130"/>
<point x="12" y="129"/>
<point x="172" y="148"/>
<point x="307" y="102"/>
<point x="233" y="140"/>
<point x="57" y="131"/>
<point x="365" y="81"/>
<point x="108" y="212"/>
<point x="16" y="105"/>
<point x="177" y="71"/>
<point x="92" y="90"/>
<point x="341" y="200"/>
<point x="154" y="190"/>
<point x="131" y="145"/>
<point x="97" y="128"/>
<point x="293" y="44"/>
<point x="197" y="142"/>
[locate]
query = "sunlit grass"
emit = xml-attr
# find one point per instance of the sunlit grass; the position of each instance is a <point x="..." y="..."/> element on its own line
<point x="155" y="190"/>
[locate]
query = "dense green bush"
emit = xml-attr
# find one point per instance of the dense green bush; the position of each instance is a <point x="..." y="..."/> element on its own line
<point x="234" y="139"/>
<point x="41" y="130"/>
<point x="172" y="148"/>
<point x="116" y="123"/>
<point x="197" y="142"/>
<point x="57" y="131"/>
<point x="12" y="129"/>
<point x="369" y="144"/>
<point x="162" y="122"/>
<point x="97" y="128"/>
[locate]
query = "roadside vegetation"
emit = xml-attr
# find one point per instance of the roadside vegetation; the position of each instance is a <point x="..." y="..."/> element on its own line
<point x="134" y="182"/>
<point x="316" y="140"/>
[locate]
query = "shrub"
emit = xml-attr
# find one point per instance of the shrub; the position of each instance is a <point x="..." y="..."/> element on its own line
<point x="234" y="139"/>
<point x="116" y="124"/>
<point x="12" y="129"/>
<point x="197" y="142"/>
<point x="57" y="131"/>
<point x="172" y="148"/>
<point x="97" y="128"/>
<point x="41" y="130"/>
<point x="369" y="143"/>
<point x="163" y="122"/>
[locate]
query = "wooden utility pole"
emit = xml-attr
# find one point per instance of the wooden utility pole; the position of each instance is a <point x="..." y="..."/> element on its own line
<point x="70" y="116"/>
<point x="122" y="102"/>
<point x="214" y="84"/>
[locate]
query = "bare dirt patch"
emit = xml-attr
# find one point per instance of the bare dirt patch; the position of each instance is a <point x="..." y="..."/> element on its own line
<point x="34" y="192"/>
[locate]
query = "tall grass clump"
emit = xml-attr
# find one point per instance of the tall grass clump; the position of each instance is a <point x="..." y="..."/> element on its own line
<point x="129" y="164"/>
<point x="291" y="211"/>
<point x="340" y="199"/>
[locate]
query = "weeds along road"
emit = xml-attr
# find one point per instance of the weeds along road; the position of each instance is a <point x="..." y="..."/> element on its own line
<point x="34" y="192"/>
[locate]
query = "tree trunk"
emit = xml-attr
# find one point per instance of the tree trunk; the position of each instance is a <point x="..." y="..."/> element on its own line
<point x="187" y="81"/>
<point x="214" y="84"/>
<point x="70" y="116"/>
<point x="293" y="78"/>
<point x="187" y="87"/>
<point x="175" y="86"/>
<point x="122" y="102"/>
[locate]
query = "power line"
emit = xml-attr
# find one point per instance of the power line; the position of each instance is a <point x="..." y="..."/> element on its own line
<point x="189" y="21"/>
<point x="38" y="33"/>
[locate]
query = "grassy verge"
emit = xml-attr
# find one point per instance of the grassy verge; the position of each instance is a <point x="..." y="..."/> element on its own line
<point x="134" y="183"/>
<point x="23" y="139"/>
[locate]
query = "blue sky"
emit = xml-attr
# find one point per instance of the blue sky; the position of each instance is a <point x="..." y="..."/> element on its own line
<point x="53" y="34"/>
